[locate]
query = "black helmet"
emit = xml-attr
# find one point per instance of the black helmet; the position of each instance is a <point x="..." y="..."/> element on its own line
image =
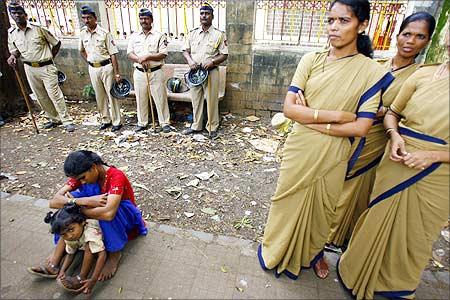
<point x="121" y="89"/>
<point x="176" y="85"/>
<point x="196" y="77"/>
<point x="61" y="77"/>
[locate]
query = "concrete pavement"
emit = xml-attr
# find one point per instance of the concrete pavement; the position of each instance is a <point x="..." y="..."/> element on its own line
<point x="168" y="263"/>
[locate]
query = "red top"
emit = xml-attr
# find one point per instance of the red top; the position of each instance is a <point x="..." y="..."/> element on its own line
<point x="116" y="183"/>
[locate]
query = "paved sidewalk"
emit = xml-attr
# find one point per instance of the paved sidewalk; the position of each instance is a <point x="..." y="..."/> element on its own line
<point x="168" y="263"/>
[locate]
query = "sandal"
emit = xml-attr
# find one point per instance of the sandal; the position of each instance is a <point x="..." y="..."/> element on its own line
<point x="321" y="265"/>
<point x="44" y="271"/>
<point x="70" y="283"/>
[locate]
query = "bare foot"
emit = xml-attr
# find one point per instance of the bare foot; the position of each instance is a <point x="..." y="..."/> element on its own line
<point x="111" y="265"/>
<point x="321" y="268"/>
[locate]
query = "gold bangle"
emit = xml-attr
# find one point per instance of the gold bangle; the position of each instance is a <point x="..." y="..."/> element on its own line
<point x="316" y="115"/>
<point x="328" y="128"/>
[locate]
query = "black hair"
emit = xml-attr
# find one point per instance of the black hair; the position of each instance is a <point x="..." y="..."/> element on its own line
<point x="420" y="16"/>
<point x="361" y="9"/>
<point x="69" y="214"/>
<point x="81" y="161"/>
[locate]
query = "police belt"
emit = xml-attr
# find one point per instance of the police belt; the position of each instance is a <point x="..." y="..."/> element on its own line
<point x="39" y="64"/>
<point x="151" y="69"/>
<point x="100" y="64"/>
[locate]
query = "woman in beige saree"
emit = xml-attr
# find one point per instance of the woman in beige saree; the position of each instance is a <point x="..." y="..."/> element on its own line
<point x="415" y="33"/>
<point x="392" y="241"/>
<point x="340" y="84"/>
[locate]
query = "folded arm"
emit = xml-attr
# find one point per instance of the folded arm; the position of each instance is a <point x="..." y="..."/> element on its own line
<point x="295" y="109"/>
<point x="107" y="212"/>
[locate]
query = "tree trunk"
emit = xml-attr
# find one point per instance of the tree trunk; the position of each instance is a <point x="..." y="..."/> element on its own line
<point x="11" y="100"/>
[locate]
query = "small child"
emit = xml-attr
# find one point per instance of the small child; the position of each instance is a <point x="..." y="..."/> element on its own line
<point x="78" y="233"/>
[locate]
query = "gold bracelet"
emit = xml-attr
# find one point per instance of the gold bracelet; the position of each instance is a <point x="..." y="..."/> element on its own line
<point x="316" y="115"/>
<point x="328" y="128"/>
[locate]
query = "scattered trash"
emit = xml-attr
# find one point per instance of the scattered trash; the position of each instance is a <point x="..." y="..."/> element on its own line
<point x="188" y="214"/>
<point x="247" y="130"/>
<point x="215" y="218"/>
<point x="208" y="210"/>
<point x="268" y="285"/>
<point x="120" y="290"/>
<point x="141" y="186"/>
<point x="253" y="203"/>
<point x="247" y="213"/>
<point x="11" y="220"/>
<point x="205" y="175"/>
<point x="8" y="176"/>
<point x="445" y="233"/>
<point x="270" y="170"/>
<point x="264" y="144"/>
<point x="21" y="172"/>
<point x="224" y="269"/>
<point x="199" y="137"/>
<point x="174" y="191"/>
<point x="252" y="118"/>
<point x="244" y="222"/>
<point x="193" y="183"/>
<point x="242" y="285"/>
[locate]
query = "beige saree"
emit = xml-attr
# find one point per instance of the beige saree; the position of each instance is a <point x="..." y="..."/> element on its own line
<point x="314" y="164"/>
<point x="392" y="240"/>
<point x="361" y="169"/>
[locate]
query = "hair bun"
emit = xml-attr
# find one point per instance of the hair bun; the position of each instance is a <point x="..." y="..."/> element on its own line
<point x="48" y="218"/>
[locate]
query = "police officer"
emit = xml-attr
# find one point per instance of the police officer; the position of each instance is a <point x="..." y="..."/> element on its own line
<point x="97" y="47"/>
<point x="37" y="47"/>
<point x="206" y="46"/>
<point x="147" y="49"/>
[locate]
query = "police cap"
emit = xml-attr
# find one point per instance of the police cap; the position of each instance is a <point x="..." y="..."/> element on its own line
<point x="206" y="6"/>
<point x="145" y="12"/>
<point x="87" y="10"/>
<point x="14" y="6"/>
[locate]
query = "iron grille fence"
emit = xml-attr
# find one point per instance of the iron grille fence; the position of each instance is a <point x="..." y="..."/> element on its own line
<point x="173" y="17"/>
<point x="303" y="23"/>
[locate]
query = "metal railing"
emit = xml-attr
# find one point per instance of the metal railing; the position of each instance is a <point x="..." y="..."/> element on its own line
<point x="173" y="17"/>
<point x="303" y="23"/>
<point x="59" y="16"/>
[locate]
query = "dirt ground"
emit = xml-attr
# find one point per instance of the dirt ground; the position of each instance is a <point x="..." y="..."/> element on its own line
<point x="240" y="179"/>
<point x="222" y="186"/>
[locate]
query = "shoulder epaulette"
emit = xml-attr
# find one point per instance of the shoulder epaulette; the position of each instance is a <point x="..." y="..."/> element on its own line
<point x="11" y="29"/>
<point x="193" y="29"/>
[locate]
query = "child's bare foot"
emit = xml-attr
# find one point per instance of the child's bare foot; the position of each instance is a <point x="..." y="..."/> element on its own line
<point x="71" y="284"/>
<point x="111" y="265"/>
<point x="321" y="268"/>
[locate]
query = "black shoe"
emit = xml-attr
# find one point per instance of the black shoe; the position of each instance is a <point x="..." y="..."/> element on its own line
<point x="140" y="128"/>
<point x="166" y="129"/>
<point x="190" y="131"/>
<point x="116" y="127"/>
<point x="70" y="127"/>
<point x="51" y="124"/>
<point x="213" y="135"/>
<point x="105" y="125"/>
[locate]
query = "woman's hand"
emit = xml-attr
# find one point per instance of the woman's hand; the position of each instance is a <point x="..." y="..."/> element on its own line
<point x="381" y="112"/>
<point x="419" y="160"/>
<point x="300" y="98"/>
<point x="94" y="201"/>
<point x="398" y="150"/>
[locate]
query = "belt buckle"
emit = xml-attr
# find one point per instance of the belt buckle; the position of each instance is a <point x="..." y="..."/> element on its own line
<point x="97" y="65"/>
<point x="35" y="64"/>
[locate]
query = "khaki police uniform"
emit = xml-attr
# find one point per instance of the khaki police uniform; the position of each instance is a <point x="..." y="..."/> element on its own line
<point x="152" y="43"/>
<point x="34" y="43"/>
<point x="99" y="46"/>
<point x="202" y="46"/>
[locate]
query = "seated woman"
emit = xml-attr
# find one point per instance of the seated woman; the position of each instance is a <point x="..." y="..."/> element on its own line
<point x="392" y="241"/>
<point x="119" y="218"/>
